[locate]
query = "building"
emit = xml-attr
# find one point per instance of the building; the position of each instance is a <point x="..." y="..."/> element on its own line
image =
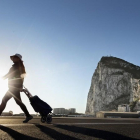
<point x="64" y="111"/>
<point x="10" y="113"/>
<point x="124" y="108"/>
<point x="67" y="111"/>
<point x="59" y="110"/>
<point x="110" y="114"/>
<point x="72" y="110"/>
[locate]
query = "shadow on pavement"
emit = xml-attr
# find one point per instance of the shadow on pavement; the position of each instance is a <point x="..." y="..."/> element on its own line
<point x="54" y="134"/>
<point x="16" y="135"/>
<point x="95" y="133"/>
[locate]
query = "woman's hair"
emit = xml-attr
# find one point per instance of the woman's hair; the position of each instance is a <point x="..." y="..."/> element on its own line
<point x="21" y="67"/>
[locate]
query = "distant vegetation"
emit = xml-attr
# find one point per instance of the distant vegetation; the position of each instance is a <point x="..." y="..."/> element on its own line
<point x="133" y="104"/>
<point x="114" y="62"/>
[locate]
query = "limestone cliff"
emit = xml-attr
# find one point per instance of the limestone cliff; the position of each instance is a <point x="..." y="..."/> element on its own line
<point x="114" y="82"/>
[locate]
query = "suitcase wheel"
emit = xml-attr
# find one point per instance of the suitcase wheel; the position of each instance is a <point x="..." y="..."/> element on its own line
<point x="43" y="119"/>
<point x="49" y="119"/>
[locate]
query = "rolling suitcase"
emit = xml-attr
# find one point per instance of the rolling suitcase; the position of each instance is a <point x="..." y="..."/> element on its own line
<point x="39" y="106"/>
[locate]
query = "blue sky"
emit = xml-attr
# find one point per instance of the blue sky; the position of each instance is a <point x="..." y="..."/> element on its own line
<point x="62" y="41"/>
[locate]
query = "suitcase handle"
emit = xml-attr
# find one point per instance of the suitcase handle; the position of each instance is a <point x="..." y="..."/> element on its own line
<point x="26" y="91"/>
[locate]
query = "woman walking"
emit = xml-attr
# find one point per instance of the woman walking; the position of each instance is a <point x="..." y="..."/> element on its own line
<point x="15" y="84"/>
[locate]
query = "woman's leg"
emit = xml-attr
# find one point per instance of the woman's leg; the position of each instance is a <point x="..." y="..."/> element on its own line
<point x="4" y="101"/>
<point x="19" y="102"/>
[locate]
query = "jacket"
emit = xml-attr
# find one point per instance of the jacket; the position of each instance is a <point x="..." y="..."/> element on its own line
<point x="14" y="77"/>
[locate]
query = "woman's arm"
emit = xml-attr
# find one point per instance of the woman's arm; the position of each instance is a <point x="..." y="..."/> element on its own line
<point x="8" y="74"/>
<point x="5" y="76"/>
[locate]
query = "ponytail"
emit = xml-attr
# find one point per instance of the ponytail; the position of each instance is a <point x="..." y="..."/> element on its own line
<point x="22" y="69"/>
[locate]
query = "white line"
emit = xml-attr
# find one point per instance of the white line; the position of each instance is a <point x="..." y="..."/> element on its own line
<point x="26" y="124"/>
<point x="90" y="123"/>
<point x="16" y="124"/>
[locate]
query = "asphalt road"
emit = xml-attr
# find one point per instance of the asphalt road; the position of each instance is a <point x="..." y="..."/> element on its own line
<point x="12" y="128"/>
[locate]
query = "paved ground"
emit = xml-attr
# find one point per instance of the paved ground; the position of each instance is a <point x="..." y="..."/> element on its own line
<point x="70" y="129"/>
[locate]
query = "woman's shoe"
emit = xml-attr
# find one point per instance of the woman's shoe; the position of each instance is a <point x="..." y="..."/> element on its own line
<point x="27" y="119"/>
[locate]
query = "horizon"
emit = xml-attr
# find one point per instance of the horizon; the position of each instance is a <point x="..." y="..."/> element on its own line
<point x="62" y="42"/>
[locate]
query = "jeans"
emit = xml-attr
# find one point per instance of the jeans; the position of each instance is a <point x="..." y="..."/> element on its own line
<point x="15" y="93"/>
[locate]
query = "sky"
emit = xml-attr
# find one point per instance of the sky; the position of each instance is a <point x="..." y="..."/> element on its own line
<point x="62" y="41"/>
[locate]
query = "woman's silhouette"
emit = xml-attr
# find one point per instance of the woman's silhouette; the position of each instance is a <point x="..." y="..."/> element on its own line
<point x="15" y="83"/>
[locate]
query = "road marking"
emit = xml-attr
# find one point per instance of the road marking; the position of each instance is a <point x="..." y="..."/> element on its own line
<point x="90" y="123"/>
<point x="16" y="124"/>
<point x="24" y="124"/>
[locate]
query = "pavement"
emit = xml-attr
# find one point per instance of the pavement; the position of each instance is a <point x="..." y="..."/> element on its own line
<point x="66" y="128"/>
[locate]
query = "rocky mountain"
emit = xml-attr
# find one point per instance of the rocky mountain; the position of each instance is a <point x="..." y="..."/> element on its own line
<point x="114" y="82"/>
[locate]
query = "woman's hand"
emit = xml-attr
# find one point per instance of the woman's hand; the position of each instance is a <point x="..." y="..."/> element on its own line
<point x="3" y="77"/>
